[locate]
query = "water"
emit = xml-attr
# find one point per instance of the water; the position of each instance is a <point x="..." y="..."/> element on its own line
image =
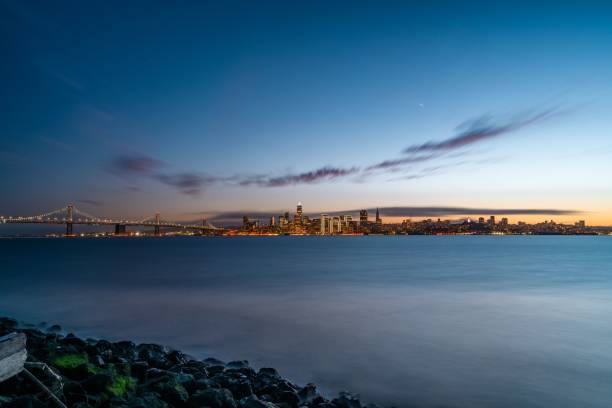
<point x="412" y="321"/>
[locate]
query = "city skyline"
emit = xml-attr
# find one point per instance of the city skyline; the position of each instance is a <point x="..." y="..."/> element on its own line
<point x="439" y="108"/>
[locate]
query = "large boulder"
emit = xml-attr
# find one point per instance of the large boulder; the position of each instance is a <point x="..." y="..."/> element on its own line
<point x="212" y="398"/>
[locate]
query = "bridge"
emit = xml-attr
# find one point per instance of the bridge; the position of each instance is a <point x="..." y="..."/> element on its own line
<point x="71" y="215"/>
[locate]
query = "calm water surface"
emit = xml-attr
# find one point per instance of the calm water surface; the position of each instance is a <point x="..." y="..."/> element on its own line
<point x="412" y="321"/>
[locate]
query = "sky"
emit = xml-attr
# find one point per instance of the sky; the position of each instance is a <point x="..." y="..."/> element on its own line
<point x="215" y="109"/>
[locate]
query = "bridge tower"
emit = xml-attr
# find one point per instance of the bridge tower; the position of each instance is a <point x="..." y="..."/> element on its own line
<point x="157" y="222"/>
<point x="69" y="219"/>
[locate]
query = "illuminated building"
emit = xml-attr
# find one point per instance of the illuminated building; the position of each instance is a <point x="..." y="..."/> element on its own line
<point x="363" y="218"/>
<point x="298" y="214"/>
<point x="324" y="223"/>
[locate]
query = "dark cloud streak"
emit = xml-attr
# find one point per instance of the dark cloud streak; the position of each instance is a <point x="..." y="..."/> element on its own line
<point x="310" y="177"/>
<point x="484" y="128"/>
<point x="191" y="184"/>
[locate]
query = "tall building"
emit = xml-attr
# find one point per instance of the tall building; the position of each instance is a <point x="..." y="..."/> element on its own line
<point x="363" y="218"/>
<point x="378" y="219"/>
<point x="492" y="220"/>
<point x="298" y="214"/>
<point x="272" y="221"/>
<point x="324" y="223"/>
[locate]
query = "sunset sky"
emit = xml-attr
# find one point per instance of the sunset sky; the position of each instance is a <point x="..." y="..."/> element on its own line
<point x="128" y="108"/>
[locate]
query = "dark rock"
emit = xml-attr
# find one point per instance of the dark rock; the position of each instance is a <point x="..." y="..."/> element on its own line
<point x="347" y="400"/>
<point x="56" y="328"/>
<point x="74" y="393"/>
<point x="308" y="393"/>
<point x="254" y="402"/>
<point x="240" y="388"/>
<point x="215" y="369"/>
<point x="205" y="383"/>
<point x="125" y="349"/>
<point x="287" y="397"/>
<point x="176" y="357"/>
<point x="139" y="370"/>
<point x="97" y="383"/>
<point x="214" y="361"/>
<point x="26" y="401"/>
<point x="173" y="393"/>
<point x="147" y="400"/>
<point x="212" y="398"/>
<point x="237" y="364"/>
<point x="268" y="371"/>
<point x="72" y="340"/>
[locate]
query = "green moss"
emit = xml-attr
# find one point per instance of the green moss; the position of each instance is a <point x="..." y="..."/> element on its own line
<point x="121" y="386"/>
<point x="92" y="369"/>
<point x="70" y="360"/>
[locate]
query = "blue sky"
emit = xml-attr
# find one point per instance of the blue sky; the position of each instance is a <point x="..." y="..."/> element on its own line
<point x="128" y="109"/>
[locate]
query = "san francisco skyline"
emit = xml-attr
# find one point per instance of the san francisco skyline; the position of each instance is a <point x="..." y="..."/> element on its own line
<point x="468" y="110"/>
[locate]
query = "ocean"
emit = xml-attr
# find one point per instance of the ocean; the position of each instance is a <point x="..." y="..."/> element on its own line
<point x="427" y="321"/>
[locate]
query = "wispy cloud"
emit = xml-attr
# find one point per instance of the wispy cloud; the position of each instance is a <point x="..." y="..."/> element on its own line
<point x="135" y="164"/>
<point x="469" y="133"/>
<point x="484" y="128"/>
<point x="394" y="163"/>
<point x="310" y="177"/>
<point x="192" y="184"/>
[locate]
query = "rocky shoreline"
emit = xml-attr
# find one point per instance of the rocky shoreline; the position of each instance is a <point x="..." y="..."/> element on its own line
<point x="100" y="373"/>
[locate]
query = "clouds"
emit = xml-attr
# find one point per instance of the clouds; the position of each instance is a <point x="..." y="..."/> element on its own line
<point x="326" y="173"/>
<point x="140" y="165"/>
<point x="470" y="133"/>
<point x="134" y="164"/>
<point x="483" y="128"/>
<point x="191" y="184"/>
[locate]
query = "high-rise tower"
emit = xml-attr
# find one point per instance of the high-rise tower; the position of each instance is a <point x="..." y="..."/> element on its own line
<point x="363" y="218"/>
<point x="298" y="214"/>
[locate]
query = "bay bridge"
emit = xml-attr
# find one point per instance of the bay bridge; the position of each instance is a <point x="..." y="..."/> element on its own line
<point x="71" y="215"/>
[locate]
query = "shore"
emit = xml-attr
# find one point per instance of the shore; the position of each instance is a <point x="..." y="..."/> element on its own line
<point x="99" y="373"/>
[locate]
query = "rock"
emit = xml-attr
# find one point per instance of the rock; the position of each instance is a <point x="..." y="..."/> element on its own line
<point x="205" y="383"/>
<point x="347" y="400"/>
<point x="237" y="364"/>
<point x="269" y="372"/>
<point x="307" y="394"/>
<point x="97" y="383"/>
<point x="139" y="370"/>
<point x="54" y="329"/>
<point x="173" y="393"/>
<point x="147" y="400"/>
<point x="214" y="361"/>
<point x="74" y="393"/>
<point x="289" y="398"/>
<point x="25" y="401"/>
<point x="98" y="360"/>
<point x="254" y="402"/>
<point x="176" y="357"/>
<point x="212" y="398"/>
<point x="72" y="340"/>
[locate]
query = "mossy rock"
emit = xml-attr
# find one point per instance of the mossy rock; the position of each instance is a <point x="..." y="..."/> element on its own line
<point x="69" y="361"/>
<point x="121" y="386"/>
